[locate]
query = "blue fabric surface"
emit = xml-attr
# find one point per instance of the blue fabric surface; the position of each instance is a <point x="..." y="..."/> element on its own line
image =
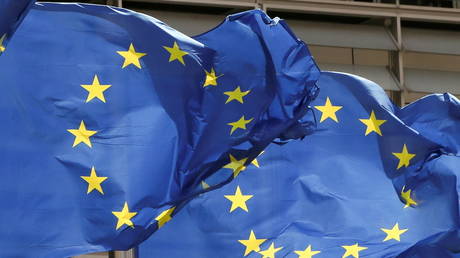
<point x="338" y="187"/>
<point x="12" y="12"/>
<point x="110" y="117"/>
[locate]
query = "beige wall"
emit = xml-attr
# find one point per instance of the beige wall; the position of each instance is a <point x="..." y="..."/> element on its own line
<point x="95" y="255"/>
<point x="430" y="61"/>
<point x="371" y="57"/>
<point x="343" y="55"/>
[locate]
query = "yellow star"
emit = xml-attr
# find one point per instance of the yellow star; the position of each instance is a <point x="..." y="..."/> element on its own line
<point x="307" y="253"/>
<point x="238" y="200"/>
<point x="352" y="250"/>
<point x="241" y="123"/>
<point x="406" y="196"/>
<point x="96" y="90"/>
<point x="204" y="185"/>
<point x="236" y="165"/>
<point x="176" y="53"/>
<point x="211" y="78"/>
<point x="255" y="162"/>
<point x="270" y="251"/>
<point x="393" y="233"/>
<point x="94" y="181"/>
<point x="164" y="217"/>
<point x="404" y="157"/>
<point x="237" y="94"/>
<point x="2" y="47"/>
<point x="82" y="135"/>
<point x="131" y="57"/>
<point x="328" y="111"/>
<point x="373" y="124"/>
<point x="252" y="244"/>
<point x="124" y="216"/>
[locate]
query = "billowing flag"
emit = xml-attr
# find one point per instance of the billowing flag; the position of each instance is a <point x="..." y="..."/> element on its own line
<point x="372" y="180"/>
<point x="110" y="118"/>
<point x="12" y="12"/>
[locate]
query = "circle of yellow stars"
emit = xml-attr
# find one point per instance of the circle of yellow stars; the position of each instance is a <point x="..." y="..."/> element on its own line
<point x="96" y="91"/>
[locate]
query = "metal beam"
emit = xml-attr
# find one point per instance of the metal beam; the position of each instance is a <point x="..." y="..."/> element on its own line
<point x="335" y="7"/>
<point x="214" y="3"/>
<point x="405" y="12"/>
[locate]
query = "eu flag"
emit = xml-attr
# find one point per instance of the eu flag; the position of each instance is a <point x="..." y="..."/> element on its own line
<point x="12" y="12"/>
<point x="109" y="118"/>
<point x="372" y="180"/>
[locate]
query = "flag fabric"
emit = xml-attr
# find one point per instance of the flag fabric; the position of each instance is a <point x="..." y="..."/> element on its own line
<point x="110" y="118"/>
<point x="12" y="12"/>
<point x="372" y="180"/>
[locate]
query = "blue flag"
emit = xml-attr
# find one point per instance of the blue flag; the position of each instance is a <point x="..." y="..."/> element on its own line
<point x="110" y="118"/>
<point x="372" y="180"/>
<point x="12" y="12"/>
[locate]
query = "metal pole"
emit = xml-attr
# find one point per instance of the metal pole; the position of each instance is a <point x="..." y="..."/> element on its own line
<point x="404" y="93"/>
<point x="260" y="5"/>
